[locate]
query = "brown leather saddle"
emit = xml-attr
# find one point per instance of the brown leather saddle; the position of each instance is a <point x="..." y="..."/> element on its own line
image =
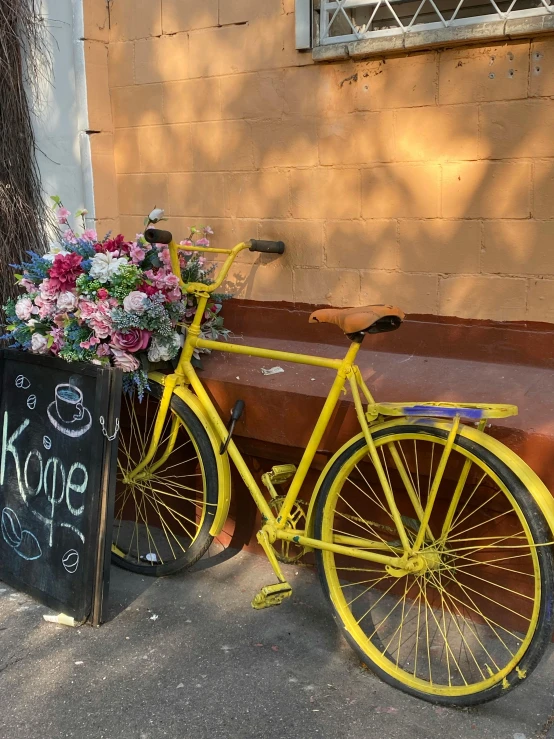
<point x="369" y="319"/>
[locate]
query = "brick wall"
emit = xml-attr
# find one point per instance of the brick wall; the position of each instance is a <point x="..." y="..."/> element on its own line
<point x="425" y="180"/>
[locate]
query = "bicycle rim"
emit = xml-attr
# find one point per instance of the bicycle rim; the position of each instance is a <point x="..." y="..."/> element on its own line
<point x="162" y="517"/>
<point x="465" y="624"/>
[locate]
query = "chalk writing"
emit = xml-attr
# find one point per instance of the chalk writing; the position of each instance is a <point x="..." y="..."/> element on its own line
<point x="48" y="477"/>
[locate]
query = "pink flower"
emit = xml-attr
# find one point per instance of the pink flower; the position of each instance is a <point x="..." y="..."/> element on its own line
<point x="45" y="307"/>
<point x="102" y="293"/>
<point x="202" y="242"/>
<point x="57" y="335"/>
<point x="69" y="235"/>
<point x="89" y="234"/>
<point x="134" y="302"/>
<point x="103" y="350"/>
<point x="175" y="295"/>
<point x="101" y="326"/>
<point x="87" y="309"/>
<point x="48" y="290"/>
<point x="165" y="257"/>
<point x="104" y="307"/>
<point x="207" y="230"/>
<point x="67" y="302"/>
<point x="23" y="309"/>
<point x="186" y="242"/>
<point x="92" y="341"/>
<point x="65" y="270"/>
<point x="135" y="340"/>
<point x="28" y="285"/>
<point x="125" y="361"/>
<point x="62" y="214"/>
<point x="136" y="253"/>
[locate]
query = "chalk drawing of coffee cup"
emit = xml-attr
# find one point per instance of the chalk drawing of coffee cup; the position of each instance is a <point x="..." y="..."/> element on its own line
<point x="69" y="403"/>
<point x="70" y="561"/>
<point x="11" y="528"/>
<point x="67" y="412"/>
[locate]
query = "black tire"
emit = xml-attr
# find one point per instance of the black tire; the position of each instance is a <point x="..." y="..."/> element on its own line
<point x="541" y="535"/>
<point x="195" y="543"/>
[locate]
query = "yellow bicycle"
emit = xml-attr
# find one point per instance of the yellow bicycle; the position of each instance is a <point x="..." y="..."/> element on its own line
<point x="432" y="539"/>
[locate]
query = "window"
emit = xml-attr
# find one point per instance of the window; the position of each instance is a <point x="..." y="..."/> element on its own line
<point x="373" y="26"/>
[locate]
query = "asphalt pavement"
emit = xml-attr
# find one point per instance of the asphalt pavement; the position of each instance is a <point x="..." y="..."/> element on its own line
<point x="186" y="656"/>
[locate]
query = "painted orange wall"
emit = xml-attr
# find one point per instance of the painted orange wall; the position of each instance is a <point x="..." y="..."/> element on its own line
<point x="425" y="180"/>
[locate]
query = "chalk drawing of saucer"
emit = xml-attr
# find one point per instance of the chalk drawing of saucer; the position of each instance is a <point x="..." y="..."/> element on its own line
<point x="77" y="428"/>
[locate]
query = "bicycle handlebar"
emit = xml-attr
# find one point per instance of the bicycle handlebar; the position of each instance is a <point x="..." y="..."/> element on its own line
<point x="157" y="236"/>
<point x="267" y="247"/>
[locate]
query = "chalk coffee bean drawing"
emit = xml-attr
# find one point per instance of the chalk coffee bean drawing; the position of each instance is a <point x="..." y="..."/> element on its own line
<point x="22" y="382"/>
<point x="70" y="561"/>
<point x="24" y="543"/>
<point x="11" y="528"/>
<point x="67" y="413"/>
<point x="46" y="442"/>
<point x="29" y="547"/>
<point x="32" y="402"/>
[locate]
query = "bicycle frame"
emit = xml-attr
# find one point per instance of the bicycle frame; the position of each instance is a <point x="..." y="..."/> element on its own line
<point x="346" y="370"/>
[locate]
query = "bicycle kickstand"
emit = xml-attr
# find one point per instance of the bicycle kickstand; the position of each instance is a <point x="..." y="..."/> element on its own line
<point x="271" y="595"/>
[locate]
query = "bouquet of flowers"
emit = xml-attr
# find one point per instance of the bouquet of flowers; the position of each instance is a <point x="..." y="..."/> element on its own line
<point x="110" y="301"/>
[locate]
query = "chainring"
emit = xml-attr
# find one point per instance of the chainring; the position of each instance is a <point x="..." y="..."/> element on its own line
<point x="288" y="552"/>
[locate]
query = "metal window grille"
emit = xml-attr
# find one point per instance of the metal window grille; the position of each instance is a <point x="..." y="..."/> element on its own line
<point x="351" y="20"/>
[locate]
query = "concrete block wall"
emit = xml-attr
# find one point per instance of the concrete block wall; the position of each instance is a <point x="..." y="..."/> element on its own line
<point x="425" y="180"/>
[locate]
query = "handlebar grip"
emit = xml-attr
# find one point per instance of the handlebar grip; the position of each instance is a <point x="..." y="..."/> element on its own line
<point x="267" y="247"/>
<point x="157" y="236"/>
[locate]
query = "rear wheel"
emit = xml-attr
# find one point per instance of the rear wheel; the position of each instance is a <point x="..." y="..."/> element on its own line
<point x="477" y="617"/>
<point x="162" y="518"/>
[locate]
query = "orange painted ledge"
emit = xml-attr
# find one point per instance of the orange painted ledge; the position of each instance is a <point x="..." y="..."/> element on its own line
<point x="281" y="410"/>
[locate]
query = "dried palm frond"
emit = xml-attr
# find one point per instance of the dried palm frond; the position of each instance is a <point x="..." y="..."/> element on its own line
<point x="24" y="64"/>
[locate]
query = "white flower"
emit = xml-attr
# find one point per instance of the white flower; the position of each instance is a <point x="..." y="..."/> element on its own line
<point x="134" y="302"/>
<point x="105" y="265"/>
<point x="39" y="344"/>
<point x="23" y="309"/>
<point x="163" y="352"/>
<point x="55" y="249"/>
<point x="67" y="302"/>
<point x="156" y="215"/>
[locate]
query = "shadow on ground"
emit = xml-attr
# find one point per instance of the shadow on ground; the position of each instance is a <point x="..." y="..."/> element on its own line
<point x="186" y="656"/>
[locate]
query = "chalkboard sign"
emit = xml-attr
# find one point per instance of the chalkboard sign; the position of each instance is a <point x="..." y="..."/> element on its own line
<point x="57" y="479"/>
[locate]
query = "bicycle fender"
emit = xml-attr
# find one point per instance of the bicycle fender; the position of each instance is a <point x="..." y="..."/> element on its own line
<point x="542" y="495"/>
<point x="223" y="466"/>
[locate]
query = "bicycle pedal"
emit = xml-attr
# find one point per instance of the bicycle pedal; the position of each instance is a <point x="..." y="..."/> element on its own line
<point x="272" y="595"/>
<point x="281" y="473"/>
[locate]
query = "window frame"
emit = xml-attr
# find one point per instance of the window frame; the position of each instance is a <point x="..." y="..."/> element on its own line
<point x="511" y="25"/>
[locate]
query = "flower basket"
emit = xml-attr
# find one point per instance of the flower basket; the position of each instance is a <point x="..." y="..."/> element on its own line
<point x="110" y="301"/>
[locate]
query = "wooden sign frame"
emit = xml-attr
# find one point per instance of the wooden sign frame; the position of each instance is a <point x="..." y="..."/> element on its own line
<point x="97" y="516"/>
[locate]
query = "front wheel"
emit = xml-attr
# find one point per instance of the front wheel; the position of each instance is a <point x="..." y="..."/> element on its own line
<point x="163" y="517"/>
<point x="475" y="620"/>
